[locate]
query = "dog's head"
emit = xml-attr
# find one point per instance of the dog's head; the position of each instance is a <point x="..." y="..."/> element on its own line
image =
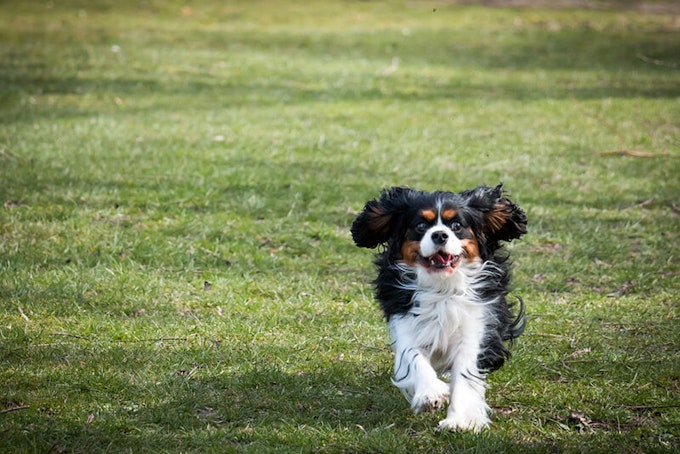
<point x="439" y="230"/>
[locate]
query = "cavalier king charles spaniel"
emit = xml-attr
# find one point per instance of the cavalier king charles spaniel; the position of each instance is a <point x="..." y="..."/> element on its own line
<point x="442" y="284"/>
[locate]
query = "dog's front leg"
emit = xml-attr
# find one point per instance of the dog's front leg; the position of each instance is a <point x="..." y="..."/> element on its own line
<point x="468" y="409"/>
<point x="413" y="373"/>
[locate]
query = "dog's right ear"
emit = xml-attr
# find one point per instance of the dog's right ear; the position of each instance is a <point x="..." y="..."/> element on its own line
<point x="377" y="222"/>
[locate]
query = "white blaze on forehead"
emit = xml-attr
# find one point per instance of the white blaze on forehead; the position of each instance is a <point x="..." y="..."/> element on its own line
<point x="452" y="246"/>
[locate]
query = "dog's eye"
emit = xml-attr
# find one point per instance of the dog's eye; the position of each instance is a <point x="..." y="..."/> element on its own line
<point x="456" y="226"/>
<point x="421" y="227"/>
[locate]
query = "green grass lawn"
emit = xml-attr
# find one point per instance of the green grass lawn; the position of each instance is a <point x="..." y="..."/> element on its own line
<point x="177" y="183"/>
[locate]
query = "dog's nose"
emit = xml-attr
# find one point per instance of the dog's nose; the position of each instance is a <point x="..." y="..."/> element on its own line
<point x="439" y="237"/>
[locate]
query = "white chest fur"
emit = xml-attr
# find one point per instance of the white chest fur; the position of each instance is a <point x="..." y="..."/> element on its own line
<point x="443" y="326"/>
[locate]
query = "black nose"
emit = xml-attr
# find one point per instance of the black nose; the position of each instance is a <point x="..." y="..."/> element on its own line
<point x="439" y="237"/>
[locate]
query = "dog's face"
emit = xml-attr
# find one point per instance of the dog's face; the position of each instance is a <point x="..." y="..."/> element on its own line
<point x="438" y="238"/>
<point x="438" y="231"/>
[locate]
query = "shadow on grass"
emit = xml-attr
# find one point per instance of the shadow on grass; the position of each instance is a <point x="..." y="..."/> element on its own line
<point x="338" y="409"/>
<point x="227" y="396"/>
<point x="286" y="90"/>
<point x="580" y="62"/>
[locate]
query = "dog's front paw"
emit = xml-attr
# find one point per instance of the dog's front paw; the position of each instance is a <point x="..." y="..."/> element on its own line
<point x="433" y="398"/>
<point x="458" y="423"/>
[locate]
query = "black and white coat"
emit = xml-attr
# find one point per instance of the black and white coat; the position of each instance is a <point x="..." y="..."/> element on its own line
<point x="442" y="284"/>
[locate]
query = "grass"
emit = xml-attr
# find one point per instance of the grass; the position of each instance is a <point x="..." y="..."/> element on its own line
<point x="178" y="181"/>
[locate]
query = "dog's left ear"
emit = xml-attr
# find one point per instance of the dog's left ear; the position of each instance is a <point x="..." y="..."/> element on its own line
<point x="503" y="219"/>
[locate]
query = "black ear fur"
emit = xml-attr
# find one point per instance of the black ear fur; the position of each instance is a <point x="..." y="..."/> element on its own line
<point x="376" y="223"/>
<point x="503" y="219"/>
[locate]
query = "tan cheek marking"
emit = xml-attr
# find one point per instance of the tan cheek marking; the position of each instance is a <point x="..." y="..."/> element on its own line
<point x="471" y="248"/>
<point x="428" y="215"/>
<point x="410" y="252"/>
<point x="448" y="215"/>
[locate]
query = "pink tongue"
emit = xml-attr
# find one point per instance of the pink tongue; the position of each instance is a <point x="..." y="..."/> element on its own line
<point x="442" y="259"/>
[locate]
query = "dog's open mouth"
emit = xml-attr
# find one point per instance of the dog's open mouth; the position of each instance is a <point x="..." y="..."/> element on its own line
<point x="441" y="261"/>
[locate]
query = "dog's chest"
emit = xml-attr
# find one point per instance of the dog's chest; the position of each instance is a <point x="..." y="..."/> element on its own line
<point x="442" y="325"/>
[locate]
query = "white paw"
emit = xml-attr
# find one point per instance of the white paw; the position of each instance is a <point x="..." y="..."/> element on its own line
<point x="458" y="423"/>
<point x="432" y="398"/>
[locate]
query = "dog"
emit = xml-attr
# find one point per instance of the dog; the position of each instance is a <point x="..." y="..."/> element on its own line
<point x="442" y="284"/>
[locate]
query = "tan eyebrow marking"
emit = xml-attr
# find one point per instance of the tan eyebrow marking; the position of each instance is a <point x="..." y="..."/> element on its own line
<point x="429" y="215"/>
<point x="448" y="214"/>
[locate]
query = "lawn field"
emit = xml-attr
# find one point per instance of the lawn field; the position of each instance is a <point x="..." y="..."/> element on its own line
<point x="177" y="183"/>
